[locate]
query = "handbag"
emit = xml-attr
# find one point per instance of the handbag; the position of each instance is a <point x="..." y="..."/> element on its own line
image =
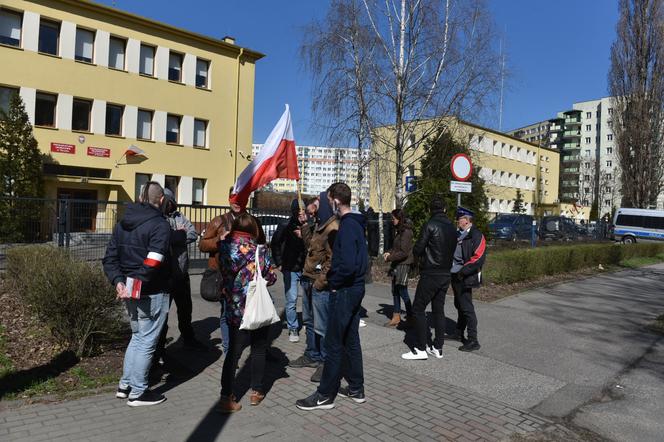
<point x="259" y="309"/>
<point x="211" y="285"/>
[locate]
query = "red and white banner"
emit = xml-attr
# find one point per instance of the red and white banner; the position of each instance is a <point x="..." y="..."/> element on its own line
<point x="276" y="159"/>
<point x="63" y="148"/>
<point x="133" y="151"/>
<point x="102" y="152"/>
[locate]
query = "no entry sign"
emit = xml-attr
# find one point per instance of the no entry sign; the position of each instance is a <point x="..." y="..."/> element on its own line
<point x="462" y="167"/>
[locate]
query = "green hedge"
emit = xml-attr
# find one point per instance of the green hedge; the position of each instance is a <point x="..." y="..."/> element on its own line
<point x="512" y="266"/>
<point x="72" y="298"/>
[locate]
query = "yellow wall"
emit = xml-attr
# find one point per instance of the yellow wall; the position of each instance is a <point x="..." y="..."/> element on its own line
<point x="480" y="141"/>
<point x="216" y="163"/>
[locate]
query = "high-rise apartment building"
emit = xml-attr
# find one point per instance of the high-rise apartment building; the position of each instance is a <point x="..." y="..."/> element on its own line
<point x="320" y="166"/>
<point x="588" y="163"/>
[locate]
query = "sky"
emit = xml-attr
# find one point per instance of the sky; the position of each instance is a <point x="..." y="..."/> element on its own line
<point x="557" y="53"/>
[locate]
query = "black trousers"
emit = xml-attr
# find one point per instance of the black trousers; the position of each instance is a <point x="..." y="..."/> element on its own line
<point x="430" y="289"/>
<point x="238" y="341"/>
<point x="181" y="294"/>
<point x="463" y="301"/>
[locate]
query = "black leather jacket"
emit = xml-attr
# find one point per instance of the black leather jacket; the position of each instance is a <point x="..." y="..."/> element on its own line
<point x="436" y="244"/>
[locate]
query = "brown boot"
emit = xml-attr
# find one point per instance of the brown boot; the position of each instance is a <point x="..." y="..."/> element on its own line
<point x="396" y="319"/>
<point x="228" y="404"/>
<point x="256" y="397"/>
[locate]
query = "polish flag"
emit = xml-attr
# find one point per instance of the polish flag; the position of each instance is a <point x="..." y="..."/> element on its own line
<point x="277" y="159"/>
<point x="134" y="151"/>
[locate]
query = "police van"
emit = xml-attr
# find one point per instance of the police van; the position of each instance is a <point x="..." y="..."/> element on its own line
<point x="630" y="225"/>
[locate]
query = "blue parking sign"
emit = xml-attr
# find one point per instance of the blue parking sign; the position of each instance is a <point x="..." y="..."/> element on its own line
<point x="411" y="185"/>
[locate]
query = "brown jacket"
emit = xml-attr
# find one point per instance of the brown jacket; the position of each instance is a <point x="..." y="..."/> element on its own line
<point x="402" y="247"/>
<point x="318" y="241"/>
<point x="210" y="241"/>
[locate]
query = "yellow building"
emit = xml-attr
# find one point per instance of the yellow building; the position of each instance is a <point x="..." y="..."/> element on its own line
<point x="506" y="164"/>
<point x="97" y="81"/>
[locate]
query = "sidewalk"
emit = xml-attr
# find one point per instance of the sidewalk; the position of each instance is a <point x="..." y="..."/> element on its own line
<point x="545" y="353"/>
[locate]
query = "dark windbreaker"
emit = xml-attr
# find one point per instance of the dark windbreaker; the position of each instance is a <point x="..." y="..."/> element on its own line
<point x="349" y="255"/>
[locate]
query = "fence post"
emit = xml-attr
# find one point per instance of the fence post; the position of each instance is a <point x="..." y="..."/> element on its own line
<point x="62" y="217"/>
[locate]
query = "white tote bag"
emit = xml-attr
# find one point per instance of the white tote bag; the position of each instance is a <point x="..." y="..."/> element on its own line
<point x="259" y="309"/>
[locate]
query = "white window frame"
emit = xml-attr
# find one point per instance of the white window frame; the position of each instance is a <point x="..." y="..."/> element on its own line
<point x="141" y="59"/>
<point x="9" y="28"/>
<point x="139" y="131"/>
<point x="81" y="45"/>
<point x="111" y="54"/>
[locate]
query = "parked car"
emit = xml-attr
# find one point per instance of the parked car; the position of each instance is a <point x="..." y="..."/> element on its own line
<point x="558" y="228"/>
<point x="642" y="224"/>
<point x="511" y="226"/>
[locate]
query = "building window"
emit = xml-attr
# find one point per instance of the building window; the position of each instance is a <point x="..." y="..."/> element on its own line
<point x="173" y="129"/>
<point x="607" y="202"/>
<point x="609" y="163"/>
<point x="589" y="127"/>
<point x="198" y="190"/>
<point x="45" y="109"/>
<point x="49" y="37"/>
<point x="6" y="94"/>
<point x="85" y="41"/>
<point x="116" y="53"/>
<point x="200" y="130"/>
<point x="609" y="150"/>
<point x="610" y="111"/>
<point x="202" y="69"/>
<point x="589" y="114"/>
<point x="10" y="27"/>
<point x="609" y="137"/>
<point x="586" y="178"/>
<point x="587" y="140"/>
<point x="146" y="64"/>
<point x="175" y="67"/>
<point x="80" y="115"/>
<point x="171" y="183"/>
<point x="144" y="126"/>
<point x="114" y="119"/>
<point x="609" y="176"/>
<point x="141" y="180"/>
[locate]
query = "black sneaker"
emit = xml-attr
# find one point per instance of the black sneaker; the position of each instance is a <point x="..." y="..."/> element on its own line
<point x="315" y="402"/>
<point x="123" y="393"/>
<point x="470" y="345"/>
<point x="304" y="361"/>
<point x="317" y="374"/>
<point x="147" y="398"/>
<point x="356" y="396"/>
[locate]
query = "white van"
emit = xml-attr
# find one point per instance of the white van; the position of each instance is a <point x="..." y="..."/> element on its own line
<point x="643" y="224"/>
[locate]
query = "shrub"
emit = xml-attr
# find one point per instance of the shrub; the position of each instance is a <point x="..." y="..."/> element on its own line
<point x="73" y="298"/>
<point x="512" y="266"/>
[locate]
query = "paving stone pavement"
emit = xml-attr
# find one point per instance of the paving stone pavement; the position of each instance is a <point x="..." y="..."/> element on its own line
<point x="404" y="402"/>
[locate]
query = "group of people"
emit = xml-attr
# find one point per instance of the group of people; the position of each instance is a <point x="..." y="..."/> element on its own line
<point x="322" y="249"/>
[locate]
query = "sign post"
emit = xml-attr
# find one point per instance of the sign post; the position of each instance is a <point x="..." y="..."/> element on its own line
<point x="462" y="170"/>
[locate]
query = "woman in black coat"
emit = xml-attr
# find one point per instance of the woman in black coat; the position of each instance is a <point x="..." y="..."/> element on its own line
<point x="400" y="259"/>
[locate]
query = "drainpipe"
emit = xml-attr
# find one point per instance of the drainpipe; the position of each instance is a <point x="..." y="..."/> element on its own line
<point x="237" y="113"/>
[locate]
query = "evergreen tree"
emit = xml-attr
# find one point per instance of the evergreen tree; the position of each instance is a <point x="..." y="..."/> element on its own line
<point x="21" y="172"/>
<point x="435" y="180"/>
<point x="518" y="203"/>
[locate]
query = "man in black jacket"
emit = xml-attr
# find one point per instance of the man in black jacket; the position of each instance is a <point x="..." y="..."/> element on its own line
<point x="288" y="253"/>
<point x="435" y="248"/>
<point x="469" y="258"/>
<point x="136" y="263"/>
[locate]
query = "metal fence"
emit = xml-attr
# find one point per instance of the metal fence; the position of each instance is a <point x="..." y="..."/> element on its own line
<point x="84" y="227"/>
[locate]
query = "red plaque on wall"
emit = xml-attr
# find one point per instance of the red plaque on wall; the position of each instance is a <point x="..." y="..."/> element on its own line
<point x="99" y="152"/>
<point x="63" y="148"/>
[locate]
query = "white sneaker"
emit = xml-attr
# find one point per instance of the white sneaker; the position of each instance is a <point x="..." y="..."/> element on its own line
<point x="293" y="336"/>
<point x="362" y="323"/>
<point x="435" y="352"/>
<point x="415" y="355"/>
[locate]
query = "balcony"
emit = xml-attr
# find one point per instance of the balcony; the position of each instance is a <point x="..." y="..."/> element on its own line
<point x="568" y="158"/>
<point x="572" y="134"/>
<point x="572" y="146"/>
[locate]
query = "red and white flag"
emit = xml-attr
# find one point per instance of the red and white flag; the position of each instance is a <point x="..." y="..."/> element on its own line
<point x="276" y="159"/>
<point x="134" y="151"/>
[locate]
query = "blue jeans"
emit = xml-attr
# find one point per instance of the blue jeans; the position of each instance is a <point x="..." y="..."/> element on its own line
<point x="315" y="307"/>
<point x="342" y="342"/>
<point x="223" y="327"/>
<point x="146" y="317"/>
<point x="291" y="280"/>
<point x="400" y="292"/>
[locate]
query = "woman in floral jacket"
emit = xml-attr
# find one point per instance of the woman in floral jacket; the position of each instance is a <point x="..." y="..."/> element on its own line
<point x="237" y="255"/>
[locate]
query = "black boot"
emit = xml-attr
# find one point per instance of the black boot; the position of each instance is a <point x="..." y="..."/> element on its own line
<point x="470" y="345"/>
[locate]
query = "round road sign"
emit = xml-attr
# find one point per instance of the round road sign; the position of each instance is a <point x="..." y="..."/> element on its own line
<point x="462" y="167"/>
